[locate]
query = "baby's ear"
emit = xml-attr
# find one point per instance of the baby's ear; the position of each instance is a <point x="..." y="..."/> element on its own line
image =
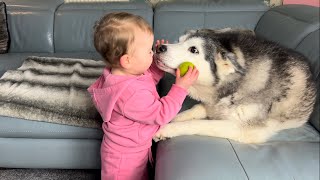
<point x="125" y="61"/>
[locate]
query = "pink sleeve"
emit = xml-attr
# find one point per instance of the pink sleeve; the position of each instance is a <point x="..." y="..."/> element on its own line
<point x="146" y="108"/>
<point x="157" y="73"/>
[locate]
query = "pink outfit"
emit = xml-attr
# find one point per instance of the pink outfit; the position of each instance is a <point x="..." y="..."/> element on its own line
<point x="132" y="112"/>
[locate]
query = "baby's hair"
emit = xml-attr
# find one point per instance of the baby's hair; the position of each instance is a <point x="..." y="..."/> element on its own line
<point x="113" y="34"/>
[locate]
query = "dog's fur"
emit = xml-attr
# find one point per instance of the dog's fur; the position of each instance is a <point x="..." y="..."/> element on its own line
<point x="249" y="88"/>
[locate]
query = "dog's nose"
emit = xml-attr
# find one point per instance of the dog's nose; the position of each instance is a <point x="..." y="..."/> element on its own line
<point x="162" y="48"/>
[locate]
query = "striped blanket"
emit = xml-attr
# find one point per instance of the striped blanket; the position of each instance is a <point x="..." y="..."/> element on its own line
<point x="52" y="90"/>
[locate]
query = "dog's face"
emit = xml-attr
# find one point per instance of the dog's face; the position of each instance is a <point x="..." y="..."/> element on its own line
<point x="202" y="48"/>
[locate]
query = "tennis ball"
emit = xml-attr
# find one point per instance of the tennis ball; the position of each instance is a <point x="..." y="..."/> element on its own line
<point x="184" y="67"/>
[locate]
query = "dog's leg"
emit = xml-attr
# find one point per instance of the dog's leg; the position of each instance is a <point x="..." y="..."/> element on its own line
<point x="215" y="128"/>
<point x="196" y="112"/>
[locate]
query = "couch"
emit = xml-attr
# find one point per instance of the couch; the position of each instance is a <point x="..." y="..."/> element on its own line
<point x="52" y="28"/>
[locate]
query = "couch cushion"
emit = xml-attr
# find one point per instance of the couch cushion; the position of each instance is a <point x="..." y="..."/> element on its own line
<point x="280" y="160"/>
<point x="31" y="25"/>
<point x="292" y="154"/>
<point x="74" y="22"/>
<point x="21" y="128"/>
<point x="173" y="18"/>
<point x="50" y="153"/>
<point x="284" y="25"/>
<point x="195" y="157"/>
<point x="309" y="47"/>
<point x="4" y="35"/>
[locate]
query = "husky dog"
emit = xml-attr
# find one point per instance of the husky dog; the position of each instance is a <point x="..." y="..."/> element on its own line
<point x="249" y="88"/>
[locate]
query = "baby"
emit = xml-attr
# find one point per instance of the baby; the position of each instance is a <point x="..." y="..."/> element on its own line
<point x="126" y="97"/>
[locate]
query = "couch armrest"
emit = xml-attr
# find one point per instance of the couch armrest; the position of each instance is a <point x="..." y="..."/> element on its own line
<point x="296" y="27"/>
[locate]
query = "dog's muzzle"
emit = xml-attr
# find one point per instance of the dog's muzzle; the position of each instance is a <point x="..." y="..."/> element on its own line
<point x="161" y="49"/>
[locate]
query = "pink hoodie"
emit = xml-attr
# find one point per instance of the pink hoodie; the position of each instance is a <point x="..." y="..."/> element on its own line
<point x="132" y="110"/>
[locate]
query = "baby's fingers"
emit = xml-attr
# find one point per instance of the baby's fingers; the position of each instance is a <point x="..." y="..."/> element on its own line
<point x="189" y="72"/>
<point x="177" y="73"/>
<point x="162" y="41"/>
<point x="194" y="73"/>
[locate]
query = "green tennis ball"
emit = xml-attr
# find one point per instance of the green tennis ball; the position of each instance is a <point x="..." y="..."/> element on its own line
<point x="184" y="67"/>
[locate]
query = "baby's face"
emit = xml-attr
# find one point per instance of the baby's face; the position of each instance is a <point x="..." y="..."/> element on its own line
<point x="141" y="51"/>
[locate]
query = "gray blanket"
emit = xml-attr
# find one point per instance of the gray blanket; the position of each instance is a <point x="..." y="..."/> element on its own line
<point x="52" y="90"/>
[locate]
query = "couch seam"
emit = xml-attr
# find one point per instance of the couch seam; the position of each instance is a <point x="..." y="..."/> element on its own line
<point x="238" y="159"/>
<point x="264" y="14"/>
<point x="305" y="37"/>
<point x="213" y="11"/>
<point x="53" y="27"/>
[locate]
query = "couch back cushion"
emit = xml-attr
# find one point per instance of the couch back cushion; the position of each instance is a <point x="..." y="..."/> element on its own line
<point x="173" y="18"/>
<point x="74" y="22"/>
<point x="30" y="24"/>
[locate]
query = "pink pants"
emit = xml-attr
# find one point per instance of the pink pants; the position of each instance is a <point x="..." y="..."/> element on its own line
<point x="125" y="166"/>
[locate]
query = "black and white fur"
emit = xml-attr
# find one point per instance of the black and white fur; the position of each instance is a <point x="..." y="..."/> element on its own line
<point x="249" y="88"/>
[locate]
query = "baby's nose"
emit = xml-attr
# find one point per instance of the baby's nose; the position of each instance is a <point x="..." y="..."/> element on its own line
<point x="161" y="49"/>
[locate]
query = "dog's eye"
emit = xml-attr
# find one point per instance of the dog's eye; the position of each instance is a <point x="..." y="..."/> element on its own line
<point x="193" y="50"/>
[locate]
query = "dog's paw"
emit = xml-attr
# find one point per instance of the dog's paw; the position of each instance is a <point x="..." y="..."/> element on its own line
<point x="165" y="132"/>
<point x="178" y="118"/>
<point x="181" y="117"/>
<point x="157" y="137"/>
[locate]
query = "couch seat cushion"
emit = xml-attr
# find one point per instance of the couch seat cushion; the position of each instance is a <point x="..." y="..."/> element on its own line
<point x="292" y="154"/>
<point x="21" y="128"/>
<point x="196" y="157"/>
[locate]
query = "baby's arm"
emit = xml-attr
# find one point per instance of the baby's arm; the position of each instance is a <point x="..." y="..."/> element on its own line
<point x="156" y="73"/>
<point x="143" y="106"/>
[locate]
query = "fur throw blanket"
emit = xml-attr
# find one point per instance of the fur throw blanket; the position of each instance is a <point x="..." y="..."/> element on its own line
<point x="52" y="90"/>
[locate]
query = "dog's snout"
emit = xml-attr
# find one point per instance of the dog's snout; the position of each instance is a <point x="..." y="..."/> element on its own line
<point x="162" y="48"/>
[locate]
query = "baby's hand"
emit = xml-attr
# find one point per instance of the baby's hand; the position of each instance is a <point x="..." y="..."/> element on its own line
<point x="188" y="79"/>
<point x="160" y="42"/>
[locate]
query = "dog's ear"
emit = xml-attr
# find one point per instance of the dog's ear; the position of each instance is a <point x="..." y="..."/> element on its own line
<point x="227" y="63"/>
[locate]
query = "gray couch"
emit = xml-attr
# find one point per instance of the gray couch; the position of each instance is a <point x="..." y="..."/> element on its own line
<point x="52" y="28"/>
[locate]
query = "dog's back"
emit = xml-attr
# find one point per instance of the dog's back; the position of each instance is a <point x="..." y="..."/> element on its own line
<point x="275" y="75"/>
